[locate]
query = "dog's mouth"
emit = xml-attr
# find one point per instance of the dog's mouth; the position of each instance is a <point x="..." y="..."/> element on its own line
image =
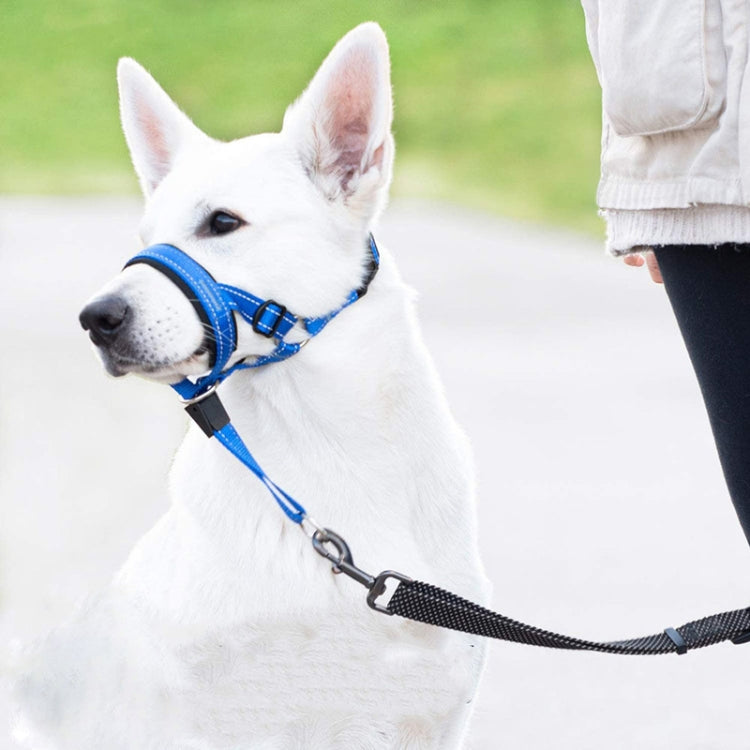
<point x="117" y="364"/>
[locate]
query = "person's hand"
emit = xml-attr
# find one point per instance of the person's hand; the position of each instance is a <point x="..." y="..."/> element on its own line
<point x="652" y="264"/>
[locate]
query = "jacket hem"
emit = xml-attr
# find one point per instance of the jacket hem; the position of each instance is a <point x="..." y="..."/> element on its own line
<point x="635" y="231"/>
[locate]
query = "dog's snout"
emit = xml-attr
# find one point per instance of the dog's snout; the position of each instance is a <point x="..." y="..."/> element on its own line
<point x="103" y="318"/>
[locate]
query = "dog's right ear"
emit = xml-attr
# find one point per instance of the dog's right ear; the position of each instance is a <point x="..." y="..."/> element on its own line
<point x="156" y="130"/>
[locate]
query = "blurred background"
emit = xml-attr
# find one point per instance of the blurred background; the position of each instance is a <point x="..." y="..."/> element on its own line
<point x="602" y="509"/>
<point x="497" y="103"/>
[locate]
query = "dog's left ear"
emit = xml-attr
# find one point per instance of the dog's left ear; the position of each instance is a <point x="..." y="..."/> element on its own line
<point x="341" y="125"/>
<point x="156" y="130"/>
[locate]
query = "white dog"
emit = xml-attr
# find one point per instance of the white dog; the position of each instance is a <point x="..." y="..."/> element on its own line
<point x="223" y="629"/>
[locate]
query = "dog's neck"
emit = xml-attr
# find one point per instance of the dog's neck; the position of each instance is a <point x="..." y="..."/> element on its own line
<point x="339" y="378"/>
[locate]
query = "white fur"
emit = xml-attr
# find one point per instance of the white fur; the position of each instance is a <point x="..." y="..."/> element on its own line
<point x="223" y="629"/>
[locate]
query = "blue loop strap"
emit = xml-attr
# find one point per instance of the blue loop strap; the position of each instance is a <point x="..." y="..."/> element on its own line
<point x="229" y="438"/>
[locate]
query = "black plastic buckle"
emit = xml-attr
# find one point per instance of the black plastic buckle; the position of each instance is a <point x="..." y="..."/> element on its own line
<point x="676" y="637"/>
<point x="742" y="638"/>
<point x="208" y="412"/>
<point x="259" y="313"/>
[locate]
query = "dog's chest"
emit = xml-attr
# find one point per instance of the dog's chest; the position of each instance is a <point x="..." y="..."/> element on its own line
<point x="326" y="679"/>
<point x="265" y="645"/>
<point x="339" y="671"/>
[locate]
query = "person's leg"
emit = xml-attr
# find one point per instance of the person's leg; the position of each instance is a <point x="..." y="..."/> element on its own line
<point x="709" y="289"/>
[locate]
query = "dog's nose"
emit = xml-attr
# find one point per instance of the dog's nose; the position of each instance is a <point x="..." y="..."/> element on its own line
<point x="103" y="318"/>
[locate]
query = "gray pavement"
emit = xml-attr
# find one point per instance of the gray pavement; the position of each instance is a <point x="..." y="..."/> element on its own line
<point x="603" y="511"/>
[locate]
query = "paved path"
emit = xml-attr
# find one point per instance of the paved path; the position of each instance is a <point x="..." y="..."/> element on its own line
<point x="603" y="511"/>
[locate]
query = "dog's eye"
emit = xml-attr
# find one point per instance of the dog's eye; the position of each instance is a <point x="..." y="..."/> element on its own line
<point x="222" y="223"/>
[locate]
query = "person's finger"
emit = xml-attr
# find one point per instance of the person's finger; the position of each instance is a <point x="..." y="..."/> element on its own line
<point x="653" y="268"/>
<point x="633" y="260"/>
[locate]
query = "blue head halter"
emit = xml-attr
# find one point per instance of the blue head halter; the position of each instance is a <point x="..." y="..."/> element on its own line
<point x="215" y="303"/>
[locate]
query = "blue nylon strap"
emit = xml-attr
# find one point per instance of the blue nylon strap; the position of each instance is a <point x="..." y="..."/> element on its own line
<point x="274" y="318"/>
<point x="229" y="438"/>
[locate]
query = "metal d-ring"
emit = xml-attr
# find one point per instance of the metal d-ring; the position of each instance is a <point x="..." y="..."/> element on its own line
<point x="201" y="396"/>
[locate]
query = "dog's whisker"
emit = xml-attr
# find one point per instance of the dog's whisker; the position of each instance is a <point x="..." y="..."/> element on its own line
<point x="209" y="329"/>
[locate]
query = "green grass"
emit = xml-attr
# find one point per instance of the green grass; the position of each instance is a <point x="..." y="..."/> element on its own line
<point x="497" y="103"/>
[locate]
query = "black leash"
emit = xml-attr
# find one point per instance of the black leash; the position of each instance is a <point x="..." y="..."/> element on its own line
<point x="423" y="602"/>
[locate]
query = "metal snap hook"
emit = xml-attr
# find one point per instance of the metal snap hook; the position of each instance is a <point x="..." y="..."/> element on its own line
<point x="341" y="559"/>
<point x="342" y="562"/>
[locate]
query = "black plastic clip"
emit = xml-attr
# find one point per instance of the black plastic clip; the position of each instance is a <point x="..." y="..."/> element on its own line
<point x="208" y="412"/>
<point x="677" y="639"/>
<point x="263" y="329"/>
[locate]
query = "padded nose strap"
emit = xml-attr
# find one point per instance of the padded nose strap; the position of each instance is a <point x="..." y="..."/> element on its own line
<point x="204" y="294"/>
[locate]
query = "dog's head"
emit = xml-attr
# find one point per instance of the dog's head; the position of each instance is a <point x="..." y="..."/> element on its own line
<point x="284" y="215"/>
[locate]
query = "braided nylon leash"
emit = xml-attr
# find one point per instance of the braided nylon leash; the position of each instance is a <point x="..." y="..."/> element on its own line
<point x="419" y="601"/>
<point x="415" y="600"/>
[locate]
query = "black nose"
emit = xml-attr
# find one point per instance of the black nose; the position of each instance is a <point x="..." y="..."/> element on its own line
<point x="103" y="319"/>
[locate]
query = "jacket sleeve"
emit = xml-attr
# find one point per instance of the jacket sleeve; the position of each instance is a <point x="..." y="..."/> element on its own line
<point x="591" y="14"/>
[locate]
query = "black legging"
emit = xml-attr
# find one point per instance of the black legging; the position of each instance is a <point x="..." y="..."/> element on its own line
<point x="709" y="288"/>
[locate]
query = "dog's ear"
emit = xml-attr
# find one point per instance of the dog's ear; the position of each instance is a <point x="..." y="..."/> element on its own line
<point x="156" y="130"/>
<point x="341" y="125"/>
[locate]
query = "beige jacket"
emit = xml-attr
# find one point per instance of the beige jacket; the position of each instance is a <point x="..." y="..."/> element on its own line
<point x="675" y="78"/>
